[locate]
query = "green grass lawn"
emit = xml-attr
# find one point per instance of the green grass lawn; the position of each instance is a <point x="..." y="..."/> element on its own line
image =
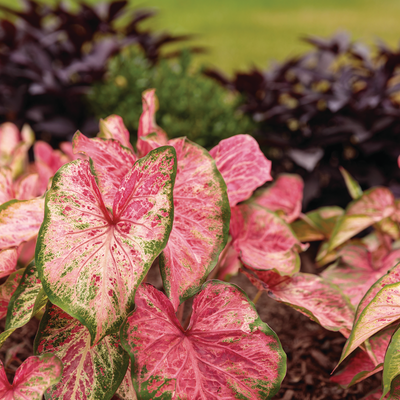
<point x="240" y="33"/>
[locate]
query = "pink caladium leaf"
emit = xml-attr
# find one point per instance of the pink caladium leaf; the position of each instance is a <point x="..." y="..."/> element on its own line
<point x="9" y="140"/>
<point x="201" y="222"/>
<point x="242" y="165"/>
<point x="25" y="303"/>
<point x="7" y="289"/>
<point x="90" y="372"/>
<point x="373" y="206"/>
<point x="126" y="391"/>
<point x="284" y="196"/>
<point x="26" y="187"/>
<point x="6" y="185"/>
<point x="113" y="128"/>
<point x="309" y="294"/>
<point x="100" y="257"/>
<point x="377" y="310"/>
<point x="263" y="240"/>
<point x="111" y="161"/>
<point x="229" y="263"/>
<point x="8" y="261"/>
<point x="20" y="221"/>
<point x="361" y="365"/>
<point x="226" y="352"/>
<point x="32" y="378"/>
<point x="150" y="135"/>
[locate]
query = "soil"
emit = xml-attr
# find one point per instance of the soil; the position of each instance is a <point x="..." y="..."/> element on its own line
<point x="312" y="351"/>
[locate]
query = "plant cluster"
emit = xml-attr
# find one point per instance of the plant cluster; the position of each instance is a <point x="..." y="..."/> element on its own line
<point x="337" y="105"/>
<point x="111" y="212"/>
<point x="50" y="56"/>
<point x="203" y="111"/>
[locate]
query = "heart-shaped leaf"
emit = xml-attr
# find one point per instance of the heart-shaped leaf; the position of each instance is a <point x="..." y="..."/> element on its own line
<point x="90" y="261"/>
<point x="32" y="378"/>
<point x="242" y="165"/>
<point x="309" y="294"/>
<point x="113" y="127"/>
<point x="263" y="240"/>
<point x="226" y="352"/>
<point x="111" y="160"/>
<point x="90" y="372"/>
<point x="26" y="301"/>
<point x="7" y="289"/>
<point x="201" y="222"/>
<point x="20" y="221"/>
<point x="284" y="196"/>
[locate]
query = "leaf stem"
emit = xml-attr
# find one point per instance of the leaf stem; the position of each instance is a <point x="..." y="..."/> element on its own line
<point x="179" y="313"/>
<point x="257" y="297"/>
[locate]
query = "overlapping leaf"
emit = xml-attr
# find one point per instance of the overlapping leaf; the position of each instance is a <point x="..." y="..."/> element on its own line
<point x="201" y="222"/>
<point x="20" y="221"/>
<point x="284" y="196"/>
<point x="263" y="240"/>
<point x="6" y="185"/>
<point x="7" y="289"/>
<point x="126" y="391"/>
<point x="32" y="378"/>
<point x="309" y="294"/>
<point x="113" y="127"/>
<point x="226" y="352"/>
<point x="90" y="372"/>
<point x="391" y="367"/>
<point x="27" y="300"/>
<point x="90" y="260"/>
<point x="8" y="261"/>
<point x="242" y="165"/>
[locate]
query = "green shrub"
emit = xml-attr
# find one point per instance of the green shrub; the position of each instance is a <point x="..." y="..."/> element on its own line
<point x="191" y="104"/>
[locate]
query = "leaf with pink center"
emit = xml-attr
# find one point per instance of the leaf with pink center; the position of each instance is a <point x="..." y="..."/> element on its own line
<point x="32" y="378"/>
<point x="284" y="196"/>
<point x="7" y="289"/>
<point x="111" y="161"/>
<point x="362" y="364"/>
<point x="8" y="261"/>
<point x="263" y="240"/>
<point x="373" y="206"/>
<point x="309" y="294"/>
<point x="242" y="165"/>
<point x="20" y="221"/>
<point x="113" y="127"/>
<point x="378" y="309"/>
<point x="150" y="135"/>
<point x="94" y="267"/>
<point x="6" y="185"/>
<point x="90" y="372"/>
<point x="201" y="222"/>
<point x="226" y="352"/>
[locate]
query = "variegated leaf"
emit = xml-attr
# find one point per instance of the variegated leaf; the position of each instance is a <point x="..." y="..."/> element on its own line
<point x="20" y="221"/>
<point x="201" y="222"/>
<point x="6" y="185"/>
<point x="32" y="378"/>
<point x="25" y="303"/>
<point x="113" y="127"/>
<point x="284" y="196"/>
<point x="242" y="165"/>
<point x="111" y="161"/>
<point x="373" y="206"/>
<point x="226" y="352"/>
<point x="263" y="240"/>
<point x="90" y="372"/>
<point x="7" y="289"/>
<point x="353" y="186"/>
<point x="126" y="391"/>
<point x="90" y="261"/>
<point x="309" y="294"/>
<point x="8" y="261"/>
<point x="150" y="135"/>
<point x="391" y="366"/>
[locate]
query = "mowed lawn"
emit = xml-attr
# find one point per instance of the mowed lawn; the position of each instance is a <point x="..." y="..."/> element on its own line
<point x="242" y="33"/>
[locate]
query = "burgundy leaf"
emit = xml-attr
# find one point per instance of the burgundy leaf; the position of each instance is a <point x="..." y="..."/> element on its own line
<point x="113" y="128"/>
<point x="90" y="260"/>
<point x="242" y="165"/>
<point x="226" y="352"/>
<point x="284" y="196"/>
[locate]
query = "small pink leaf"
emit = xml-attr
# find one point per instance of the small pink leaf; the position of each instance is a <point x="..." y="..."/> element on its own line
<point x="264" y="241"/>
<point x="111" y="160"/>
<point x="8" y="261"/>
<point x="309" y="294"/>
<point x="284" y="195"/>
<point x="26" y="187"/>
<point x="150" y="135"/>
<point x="9" y="140"/>
<point x="90" y="260"/>
<point x="113" y="128"/>
<point x="242" y="165"/>
<point x="7" y="289"/>
<point x="229" y="263"/>
<point x="227" y="351"/>
<point x="201" y="222"/>
<point x="6" y="185"/>
<point x="90" y="372"/>
<point x="66" y="148"/>
<point x="32" y="378"/>
<point x="20" y="221"/>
